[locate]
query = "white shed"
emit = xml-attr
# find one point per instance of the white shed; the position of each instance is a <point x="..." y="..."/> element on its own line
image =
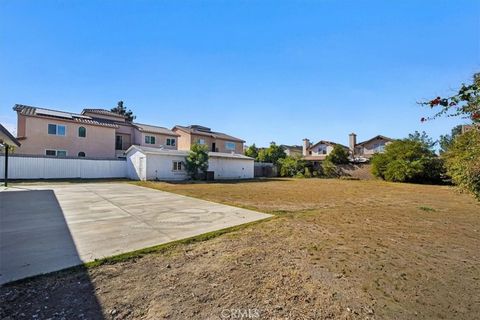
<point x="147" y="163"/>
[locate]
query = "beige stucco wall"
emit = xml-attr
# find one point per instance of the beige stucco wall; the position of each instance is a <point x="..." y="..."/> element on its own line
<point x="186" y="140"/>
<point x="160" y="140"/>
<point x="98" y="143"/>
<point x="316" y="150"/>
<point x="367" y="150"/>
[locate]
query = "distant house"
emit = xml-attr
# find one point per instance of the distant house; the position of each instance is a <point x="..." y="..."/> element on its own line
<point x="367" y="148"/>
<point x="468" y="127"/>
<point x="215" y="141"/>
<point x="363" y="150"/>
<point x="94" y="133"/>
<point x="318" y="151"/>
<point x="292" y="150"/>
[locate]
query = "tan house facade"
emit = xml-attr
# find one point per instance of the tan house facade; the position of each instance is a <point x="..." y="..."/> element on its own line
<point x="95" y="133"/>
<point x="215" y="141"/>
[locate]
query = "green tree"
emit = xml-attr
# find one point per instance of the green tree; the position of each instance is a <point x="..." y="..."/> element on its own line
<point x="292" y="166"/>
<point x="120" y="109"/>
<point x="329" y="169"/>
<point x="271" y="154"/>
<point x="252" y="151"/>
<point x="197" y="161"/>
<point x="338" y="155"/>
<point x="423" y="138"/>
<point x="408" y="160"/>
<point x="462" y="160"/>
<point x="447" y="140"/>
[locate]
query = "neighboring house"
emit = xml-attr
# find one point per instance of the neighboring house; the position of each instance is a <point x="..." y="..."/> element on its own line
<point x="95" y="133"/>
<point x="318" y="151"/>
<point x="215" y="141"/>
<point x="468" y="127"/>
<point x="368" y="148"/>
<point x="146" y="163"/>
<point x="292" y="150"/>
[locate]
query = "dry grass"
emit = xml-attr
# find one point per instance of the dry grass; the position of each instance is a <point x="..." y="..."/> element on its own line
<point x="336" y="250"/>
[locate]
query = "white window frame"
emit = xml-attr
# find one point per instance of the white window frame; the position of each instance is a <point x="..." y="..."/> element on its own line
<point x="201" y="141"/>
<point x="227" y="143"/>
<point x="176" y="165"/>
<point x="56" y="130"/>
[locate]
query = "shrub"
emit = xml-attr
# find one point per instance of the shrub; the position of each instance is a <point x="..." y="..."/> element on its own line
<point x="408" y="160"/>
<point x="462" y="161"/>
<point x="338" y="155"/>
<point x="329" y="169"/>
<point x="291" y="166"/>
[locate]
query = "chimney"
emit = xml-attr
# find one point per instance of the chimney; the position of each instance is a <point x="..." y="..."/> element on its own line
<point x="306" y="145"/>
<point x="352" y="142"/>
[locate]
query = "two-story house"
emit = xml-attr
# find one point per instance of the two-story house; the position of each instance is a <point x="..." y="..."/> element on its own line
<point x="95" y="133"/>
<point x="366" y="149"/>
<point x="215" y="141"/>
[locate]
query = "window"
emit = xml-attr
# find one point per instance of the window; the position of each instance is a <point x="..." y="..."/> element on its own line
<point x="81" y="154"/>
<point x="118" y="143"/>
<point x="82" y="132"/>
<point x="171" y="142"/>
<point x="149" y="139"/>
<point x="230" y="145"/>
<point x="201" y="141"/>
<point x="379" y="147"/>
<point x="56" y="129"/>
<point x="56" y="153"/>
<point x="322" y="149"/>
<point x="177" y="165"/>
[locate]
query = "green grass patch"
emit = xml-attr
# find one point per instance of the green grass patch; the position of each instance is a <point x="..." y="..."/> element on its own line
<point x="427" y="209"/>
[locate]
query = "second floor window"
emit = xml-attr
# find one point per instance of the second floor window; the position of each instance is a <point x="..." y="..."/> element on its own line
<point x="56" y="129"/>
<point x="149" y="139"/>
<point x="379" y="147"/>
<point x="82" y="132"/>
<point x="230" y="145"/>
<point x="171" y="142"/>
<point x="201" y="141"/>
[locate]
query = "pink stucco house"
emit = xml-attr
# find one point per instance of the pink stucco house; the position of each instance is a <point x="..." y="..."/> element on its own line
<point x="93" y="133"/>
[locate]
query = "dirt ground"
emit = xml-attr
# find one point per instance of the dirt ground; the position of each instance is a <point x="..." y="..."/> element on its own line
<point x="335" y="250"/>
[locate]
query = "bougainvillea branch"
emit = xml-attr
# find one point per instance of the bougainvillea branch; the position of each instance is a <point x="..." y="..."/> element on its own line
<point x="465" y="103"/>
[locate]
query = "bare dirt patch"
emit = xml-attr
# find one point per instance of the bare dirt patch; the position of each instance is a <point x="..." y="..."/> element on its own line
<point x="338" y="249"/>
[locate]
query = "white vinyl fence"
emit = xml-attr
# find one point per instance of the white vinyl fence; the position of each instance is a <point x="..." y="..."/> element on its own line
<point x="38" y="167"/>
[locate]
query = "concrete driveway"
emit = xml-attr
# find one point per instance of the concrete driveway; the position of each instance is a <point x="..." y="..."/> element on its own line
<point x="49" y="227"/>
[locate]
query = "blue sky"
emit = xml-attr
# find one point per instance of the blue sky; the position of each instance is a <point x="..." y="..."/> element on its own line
<point x="260" y="70"/>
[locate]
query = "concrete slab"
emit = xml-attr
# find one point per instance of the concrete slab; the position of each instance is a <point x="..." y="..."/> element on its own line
<point x="50" y="227"/>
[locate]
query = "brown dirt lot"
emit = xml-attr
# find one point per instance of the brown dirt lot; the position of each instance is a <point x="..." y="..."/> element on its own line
<point x="336" y="250"/>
